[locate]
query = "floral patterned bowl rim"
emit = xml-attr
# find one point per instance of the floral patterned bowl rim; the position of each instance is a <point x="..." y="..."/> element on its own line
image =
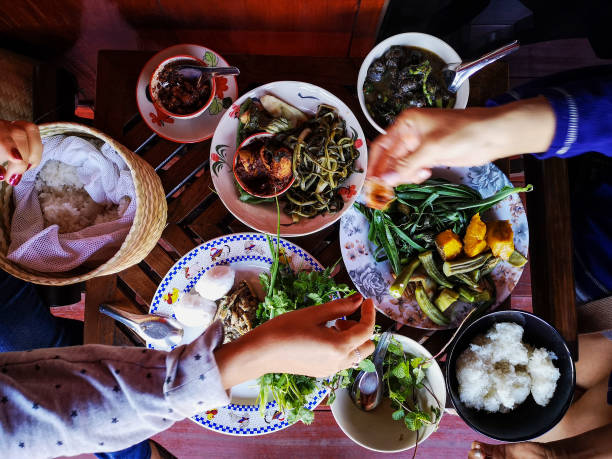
<point x="262" y="217"/>
<point x="373" y="278"/>
<point x="248" y="253"/>
<point x="189" y="130"/>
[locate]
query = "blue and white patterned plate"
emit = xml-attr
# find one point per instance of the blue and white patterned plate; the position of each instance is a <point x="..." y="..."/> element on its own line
<point x="373" y="278"/>
<point x="249" y="255"/>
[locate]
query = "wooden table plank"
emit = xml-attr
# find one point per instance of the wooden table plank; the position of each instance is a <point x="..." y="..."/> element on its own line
<point x="138" y="281"/>
<point x="177" y="240"/>
<point x="162" y="152"/>
<point x="194" y="158"/>
<point x="159" y="261"/>
<point x="208" y="224"/>
<point x="550" y="246"/>
<point x="191" y="198"/>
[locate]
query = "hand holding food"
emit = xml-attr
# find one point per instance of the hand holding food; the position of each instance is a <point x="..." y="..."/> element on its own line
<point x="20" y="149"/>
<point x="299" y="342"/>
<point x="421" y="139"/>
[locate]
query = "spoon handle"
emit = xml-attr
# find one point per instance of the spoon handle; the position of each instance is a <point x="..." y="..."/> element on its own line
<point x="128" y="319"/>
<point x="467" y="69"/>
<point x="381" y="348"/>
<point x="226" y="71"/>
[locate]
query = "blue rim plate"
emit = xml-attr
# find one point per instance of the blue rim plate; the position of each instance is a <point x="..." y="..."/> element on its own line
<point x="249" y="254"/>
<point x="373" y="278"/>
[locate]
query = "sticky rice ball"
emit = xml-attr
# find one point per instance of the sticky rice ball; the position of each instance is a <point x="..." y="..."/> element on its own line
<point x="216" y="282"/>
<point x="194" y="311"/>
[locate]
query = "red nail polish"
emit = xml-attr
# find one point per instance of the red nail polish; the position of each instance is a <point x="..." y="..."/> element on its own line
<point x="16" y="155"/>
<point x="15" y="179"/>
<point x="2" y="173"/>
<point x="28" y="168"/>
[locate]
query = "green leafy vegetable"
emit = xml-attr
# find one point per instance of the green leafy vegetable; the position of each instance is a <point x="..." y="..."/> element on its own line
<point x="367" y="365"/>
<point x="421" y="211"/>
<point x="287" y="291"/>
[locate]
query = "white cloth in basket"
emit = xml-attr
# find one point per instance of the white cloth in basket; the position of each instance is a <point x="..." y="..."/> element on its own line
<point x="106" y="178"/>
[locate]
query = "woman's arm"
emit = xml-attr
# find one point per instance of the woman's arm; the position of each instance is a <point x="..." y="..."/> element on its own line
<point x="67" y="401"/>
<point x="561" y="116"/>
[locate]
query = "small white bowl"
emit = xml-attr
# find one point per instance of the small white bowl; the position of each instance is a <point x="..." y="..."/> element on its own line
<point x="420" y="40"/>
<point x="376" y="430"/>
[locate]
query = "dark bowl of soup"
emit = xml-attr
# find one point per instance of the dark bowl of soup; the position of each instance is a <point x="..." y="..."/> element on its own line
<point x="177" y="94"/>
<point x="404" y="71"/>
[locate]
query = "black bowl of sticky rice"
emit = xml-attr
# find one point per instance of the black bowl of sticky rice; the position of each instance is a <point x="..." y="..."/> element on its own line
<point x="510" y="376"/>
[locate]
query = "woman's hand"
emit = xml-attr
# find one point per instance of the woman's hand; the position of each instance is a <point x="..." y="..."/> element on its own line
<point x="20" y="149"/>
<point x="299" y="342"/>
<point x="421" y="139"/>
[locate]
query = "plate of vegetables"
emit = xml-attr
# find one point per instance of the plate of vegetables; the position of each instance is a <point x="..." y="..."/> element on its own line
<point x="440" y="248"/>
<point x="252" y="278"/>
<point x="328" y="157"/>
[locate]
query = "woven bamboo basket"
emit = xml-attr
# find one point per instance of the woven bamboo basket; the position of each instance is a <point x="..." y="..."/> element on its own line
<point x="149" y="221"/>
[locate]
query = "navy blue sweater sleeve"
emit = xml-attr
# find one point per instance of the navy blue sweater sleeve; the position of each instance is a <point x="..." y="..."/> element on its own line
<point x="582" y="102"/>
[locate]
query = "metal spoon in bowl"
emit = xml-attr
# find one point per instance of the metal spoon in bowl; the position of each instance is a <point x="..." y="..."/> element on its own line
<point x="192" y="71"/>
<point x="165" y="331"/>
<point x="367" y="389"/>
<point x="456" y="73"/>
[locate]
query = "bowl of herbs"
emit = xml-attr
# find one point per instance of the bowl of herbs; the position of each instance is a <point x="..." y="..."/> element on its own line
<point x="413" y="400"/>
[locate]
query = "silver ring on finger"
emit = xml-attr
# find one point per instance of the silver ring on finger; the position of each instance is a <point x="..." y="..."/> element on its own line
<point x="359" y="358"/>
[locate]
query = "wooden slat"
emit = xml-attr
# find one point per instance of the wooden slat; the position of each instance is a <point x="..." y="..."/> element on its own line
<point x="550" y="246"/>
<point x="116" y="102"/>
<point x="207" y="224"/>
<point x="489" y="82"/>
<point x="98" y="328"/>
<point x="368" y="17"/>
<point x="137" y="135"/>
<point x="177" y="240"/>
<point x="159" y="261"/>
<point x="138" y="281"/>
<point x="161" y="152"/>
<point x="194" y="159"/>
<point x="192" y="197"/>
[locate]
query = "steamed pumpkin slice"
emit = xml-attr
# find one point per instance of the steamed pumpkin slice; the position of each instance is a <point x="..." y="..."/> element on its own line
<point x="500" y="238"/>
<point x="474" y="241"/>
<point x="448" y="244"/>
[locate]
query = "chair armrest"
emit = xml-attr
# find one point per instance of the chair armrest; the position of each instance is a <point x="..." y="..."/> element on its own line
<point x="550" y="246"/>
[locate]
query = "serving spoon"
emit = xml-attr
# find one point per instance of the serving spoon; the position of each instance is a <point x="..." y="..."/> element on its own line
<point x="165" y="331"/>
<point x="455" y="74"/>
<point x="192" y="71"/>
<point x="367" y="389"/>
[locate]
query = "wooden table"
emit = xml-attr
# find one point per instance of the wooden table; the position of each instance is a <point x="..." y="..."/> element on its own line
<point x="195" y="213"/>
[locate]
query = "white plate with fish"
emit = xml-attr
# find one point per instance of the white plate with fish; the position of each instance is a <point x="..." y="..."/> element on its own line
<point x="248" y="254"/>
<point x="373" y="278"/>
<point x="262" y="216"/>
